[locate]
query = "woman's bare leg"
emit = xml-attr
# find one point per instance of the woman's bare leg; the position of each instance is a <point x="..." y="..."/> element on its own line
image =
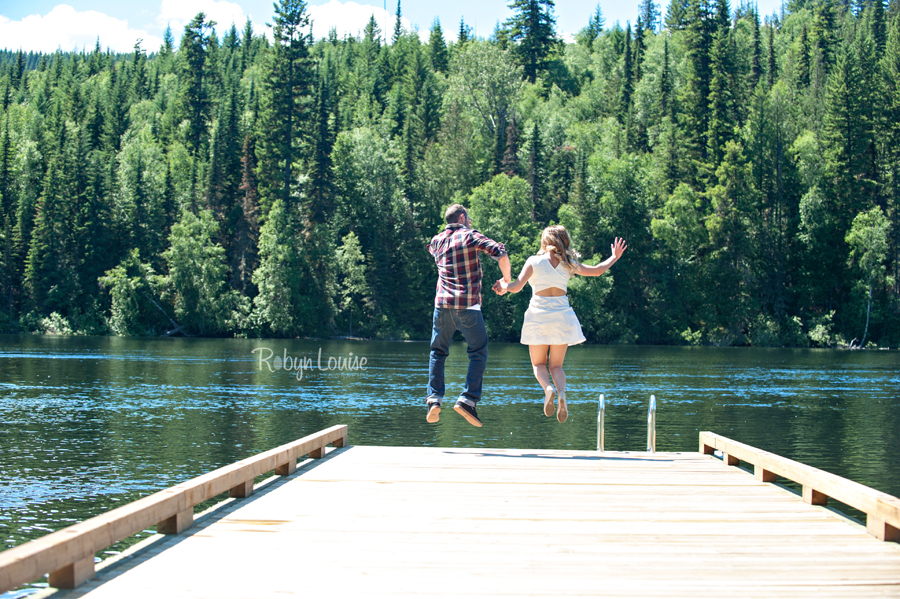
<point x="557" y="356"/>
<point x="538" y="355"/>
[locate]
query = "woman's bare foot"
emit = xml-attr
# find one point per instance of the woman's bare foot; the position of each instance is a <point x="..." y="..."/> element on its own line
<point x="548" y="401"/>
<point x="563" y="412"/>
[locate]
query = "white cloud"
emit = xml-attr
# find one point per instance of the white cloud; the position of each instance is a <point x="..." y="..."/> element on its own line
<point x="67" y="29"/>
<point x="351" y="18"/>
<point x="178" y="13"/>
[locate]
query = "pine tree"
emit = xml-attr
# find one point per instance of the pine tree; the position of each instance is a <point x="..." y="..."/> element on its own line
<point x="878" y="25"/>
<point x="532" y="30"/>
<point x="224" y="168"/>
<point x="510" y="164"/>
<point x="677" y="15"/>
<point x="891" y="136"/>
<point x="139" y="83"/>
<point x="756" y="56"/>
<point x="285" y="105"/>
<point x="536" y="174"/>
<point x="438" y="48"/>
<point x="722" y="119"/>
<point x="665" y="82"/>
<point x="246" y="45"/>
<point x="115" y="117"/>
<point x="627" y="78"/>
<point x="320" y="182"/>
<point x="195" y="99"/>
<point x="771" y="66"/>
<point x="398" y="26"/>
<point x="464" y="33"/>
<point x="243" y="258"/>
<point x="638" y="50"/>
<point x="695" y="93"/>
<point x="825" y="31"/>
<point x="648" y="15"/>
<point x="803" y="60"/>
<point x="594" y="28"/>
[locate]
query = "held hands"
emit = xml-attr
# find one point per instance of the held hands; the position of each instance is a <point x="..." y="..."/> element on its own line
<point x="500" y="287"/>
<point x="618" y="248"/>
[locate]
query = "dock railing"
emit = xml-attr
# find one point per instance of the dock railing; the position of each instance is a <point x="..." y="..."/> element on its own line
<point x="68" y="554"/>
<point x="882" y="510"/>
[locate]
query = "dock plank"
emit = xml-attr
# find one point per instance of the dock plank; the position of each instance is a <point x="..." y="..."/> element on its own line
<point x="438" y="522"/>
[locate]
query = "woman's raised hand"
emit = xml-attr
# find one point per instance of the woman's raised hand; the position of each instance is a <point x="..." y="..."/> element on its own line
<point x="618" y="248"/>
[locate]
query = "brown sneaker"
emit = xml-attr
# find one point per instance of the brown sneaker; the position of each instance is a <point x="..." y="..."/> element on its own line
<point x="468" y="412"/>
<point x="434" y="413"/>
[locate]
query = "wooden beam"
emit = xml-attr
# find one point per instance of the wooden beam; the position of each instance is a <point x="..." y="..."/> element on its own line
<point x="879" y="507"/>
<point x="72" y="575"/>
<point x="75" y="544"/>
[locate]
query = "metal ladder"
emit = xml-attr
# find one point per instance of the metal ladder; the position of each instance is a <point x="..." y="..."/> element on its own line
<point x="651" y="424"/>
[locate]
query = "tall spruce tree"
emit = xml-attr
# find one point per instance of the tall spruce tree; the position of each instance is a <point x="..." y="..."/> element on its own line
<point x="285" y="104"/>
<point x="532" y="30"/>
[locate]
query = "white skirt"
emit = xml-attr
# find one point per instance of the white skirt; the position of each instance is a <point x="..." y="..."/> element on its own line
<point x="551" y="321"/>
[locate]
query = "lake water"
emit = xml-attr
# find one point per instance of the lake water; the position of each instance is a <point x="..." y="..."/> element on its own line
<point x="88" y="424"/>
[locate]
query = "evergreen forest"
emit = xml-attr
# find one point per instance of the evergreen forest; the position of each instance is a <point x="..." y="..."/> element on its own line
<point x="286" y="183"/>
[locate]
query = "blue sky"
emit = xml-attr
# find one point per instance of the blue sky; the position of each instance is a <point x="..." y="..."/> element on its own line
<point x="44" y="25"/>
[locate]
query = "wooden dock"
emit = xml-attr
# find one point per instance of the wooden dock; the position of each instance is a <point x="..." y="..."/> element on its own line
<point x="439" y="522"/>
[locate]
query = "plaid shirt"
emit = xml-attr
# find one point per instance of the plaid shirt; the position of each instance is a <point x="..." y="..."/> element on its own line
<point x="455" y="252"/>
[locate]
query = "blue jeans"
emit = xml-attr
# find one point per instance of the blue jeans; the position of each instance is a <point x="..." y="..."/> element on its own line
<point x="471" y="324"/>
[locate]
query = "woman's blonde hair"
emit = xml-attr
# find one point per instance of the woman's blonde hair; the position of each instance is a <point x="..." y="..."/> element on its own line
<point x="555" y="240"/>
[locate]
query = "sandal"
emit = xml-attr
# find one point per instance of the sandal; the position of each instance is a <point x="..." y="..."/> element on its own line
<point x="563" y="412"/>
<point x="548" y="401"/>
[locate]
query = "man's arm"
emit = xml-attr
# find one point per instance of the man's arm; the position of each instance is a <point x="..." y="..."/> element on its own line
<point x="505" y="267"/>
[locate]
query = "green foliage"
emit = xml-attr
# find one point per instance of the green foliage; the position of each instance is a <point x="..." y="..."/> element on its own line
<point x="197" y="284"/>
<point x="753" y="168"/>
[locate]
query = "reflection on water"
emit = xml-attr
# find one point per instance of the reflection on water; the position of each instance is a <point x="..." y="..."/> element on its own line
<point x="91" y="423"/>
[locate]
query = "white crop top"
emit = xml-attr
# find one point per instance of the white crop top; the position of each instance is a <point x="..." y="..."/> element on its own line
<point x="544" y="276"/>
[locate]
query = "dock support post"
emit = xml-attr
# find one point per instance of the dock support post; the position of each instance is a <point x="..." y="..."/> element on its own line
<point x="881" y="530"/>
<point x="317" y="453"/>
<point x="730" y="460"/>
<point x="286" y="469"/>
<point x="69" y="577"/>
<point x="245" y="489"/>
<point x="177" y="523"/>
<point x="763" y="475"/>
<point x="813" y="497"/>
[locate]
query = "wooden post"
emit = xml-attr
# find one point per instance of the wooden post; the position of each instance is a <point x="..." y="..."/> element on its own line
<point x="813" y="497"/>
<point x="245" y="489"/>
<point x="730" y="460"/>
<point x="286" y="469"/>
<point x="881" y="530"/>
<point x="69" y="577"/>
<point x="707" y="449"/>
<point x="317" y="453"/>
<point x="177" y="523"/>
<point x="342" y="442"/>
<point x="763" y="475"/>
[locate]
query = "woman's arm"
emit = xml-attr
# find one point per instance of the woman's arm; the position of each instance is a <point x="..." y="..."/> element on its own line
<point x="516" y="286"/>
<point x="618" y="248"/>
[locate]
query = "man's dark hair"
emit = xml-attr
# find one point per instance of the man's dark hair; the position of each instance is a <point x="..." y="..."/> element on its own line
<point x="454" y="212"/>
